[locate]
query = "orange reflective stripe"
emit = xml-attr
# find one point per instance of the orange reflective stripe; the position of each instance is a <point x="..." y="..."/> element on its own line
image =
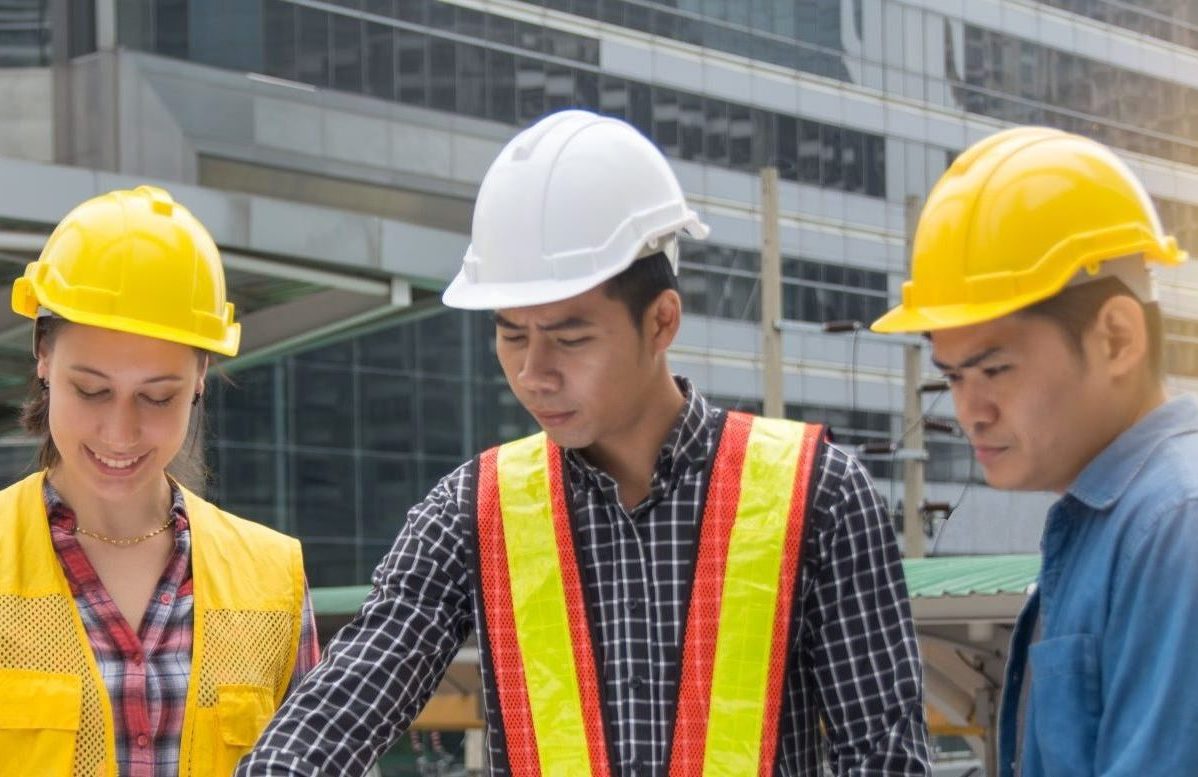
<point x="549" y="611"/>
<point x="539" y="607"/>
<point x="702" y="619"/>
<point x="580" y="631"/>
<point x="792" y="553"/>
<point x="733" y="669"/>
<point x="507" y="664"/>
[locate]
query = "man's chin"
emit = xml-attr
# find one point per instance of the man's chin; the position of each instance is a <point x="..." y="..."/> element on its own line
<point x="568" y="438"/>
<point x="1010" y="482"/>
<point x="564" y="440"/>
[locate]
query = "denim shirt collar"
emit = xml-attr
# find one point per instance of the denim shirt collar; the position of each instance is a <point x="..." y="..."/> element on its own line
<point x="1108" y="475"/>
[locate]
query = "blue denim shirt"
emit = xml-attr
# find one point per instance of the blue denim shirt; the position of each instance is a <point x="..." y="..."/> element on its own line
<point x="1114" y="675"/>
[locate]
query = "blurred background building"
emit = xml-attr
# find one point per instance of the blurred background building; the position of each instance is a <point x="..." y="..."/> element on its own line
<point x="334" y="149"/>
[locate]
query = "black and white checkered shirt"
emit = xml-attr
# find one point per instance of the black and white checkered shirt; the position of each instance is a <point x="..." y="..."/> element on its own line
<point x="856" y="661"/>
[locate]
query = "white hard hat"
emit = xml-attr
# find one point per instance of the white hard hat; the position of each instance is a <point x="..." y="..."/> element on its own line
<point x="568" y="203"/>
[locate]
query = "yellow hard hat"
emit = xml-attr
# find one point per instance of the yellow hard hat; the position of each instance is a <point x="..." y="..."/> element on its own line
<point x="135" y="261"/>
<point x="1013" y="220"/>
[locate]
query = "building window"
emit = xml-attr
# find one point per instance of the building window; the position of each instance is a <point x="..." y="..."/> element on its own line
<point x="388" y="57"/>
<point x="725" y="283"/>
<point x="1181" y="346"/>
<point x="25" y="33"/>
<point x="1175" y="21"/>
<point x="1179" y="219"/>
<point x="1027" y="83"/>
<point x="851" y="428"/>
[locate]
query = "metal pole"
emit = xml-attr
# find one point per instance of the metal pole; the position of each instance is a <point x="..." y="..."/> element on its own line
<point x="913" y="471"/>
<point x="278" y="377"/>
<point x="771" y="296"/>
<point x="987" y="713"/>
<point x="912" y="465"/>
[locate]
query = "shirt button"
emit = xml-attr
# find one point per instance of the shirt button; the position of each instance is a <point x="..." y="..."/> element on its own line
<point x="635" y="683"/>
<point x="142" y="740"/>
<point x="633" y="604"/>
<point x="165" y="598"/>
<point x="138" y="658"/>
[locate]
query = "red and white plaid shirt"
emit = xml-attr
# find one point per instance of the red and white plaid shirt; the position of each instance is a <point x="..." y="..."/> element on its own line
<point x="146" y="673"/>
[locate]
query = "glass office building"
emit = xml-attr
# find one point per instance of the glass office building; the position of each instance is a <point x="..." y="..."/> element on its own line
<point x="374" y="119"/>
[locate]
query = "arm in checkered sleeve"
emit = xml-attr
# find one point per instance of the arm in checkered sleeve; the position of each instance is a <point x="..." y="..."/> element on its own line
<point x="860" y="639"/>
<point x="381" y="668"/>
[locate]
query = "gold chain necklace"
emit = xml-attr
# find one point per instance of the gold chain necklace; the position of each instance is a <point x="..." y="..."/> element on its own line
<point x="126" y="541"/>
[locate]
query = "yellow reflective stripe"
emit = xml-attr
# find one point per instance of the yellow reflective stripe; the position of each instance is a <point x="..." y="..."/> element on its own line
<point x="742" y="655"/>
<point x="539" y="606"/>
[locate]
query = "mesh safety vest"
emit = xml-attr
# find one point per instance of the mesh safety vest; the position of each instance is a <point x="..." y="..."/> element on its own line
<point x="537" y="638"/>
<point x="55" y="714"/>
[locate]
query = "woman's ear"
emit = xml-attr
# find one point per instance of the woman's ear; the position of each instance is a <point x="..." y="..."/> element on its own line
<point x="205" y="359"/>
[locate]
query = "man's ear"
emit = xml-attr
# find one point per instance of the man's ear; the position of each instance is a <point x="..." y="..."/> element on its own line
<point x="662" y="320"/>
<point x="1119" y="335"/>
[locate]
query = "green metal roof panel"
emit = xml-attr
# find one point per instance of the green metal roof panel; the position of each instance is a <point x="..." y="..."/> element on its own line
<point x="926" y="577"/>
<point x="968" y="575"/>
<point x="339" y="600"/>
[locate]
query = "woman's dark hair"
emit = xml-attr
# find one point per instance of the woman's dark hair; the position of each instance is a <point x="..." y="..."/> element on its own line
<point x="187" y="467"/>
<point x="641" y="283"/>
<point x="1075" y="309"/>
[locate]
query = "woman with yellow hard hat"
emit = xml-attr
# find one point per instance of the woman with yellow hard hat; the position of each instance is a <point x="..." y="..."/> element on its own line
<point x="143" y="631"/>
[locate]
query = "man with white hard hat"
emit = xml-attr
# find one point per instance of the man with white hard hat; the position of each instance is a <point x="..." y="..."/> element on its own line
<point x="658" y="586"/>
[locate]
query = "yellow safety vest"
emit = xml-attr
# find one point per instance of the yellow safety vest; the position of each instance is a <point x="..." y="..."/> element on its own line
<point x="55" y="714"/>
<point x="543" y="685"/>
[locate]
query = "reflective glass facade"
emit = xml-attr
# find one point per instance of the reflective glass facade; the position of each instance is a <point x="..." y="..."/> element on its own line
<point x="335" y="444"/>
<point x="433" y="54"/>
<point x="1175" y="21"/>
<point x="1180" y="219"/>
<point x="725" y="283"/>
<point x="439" y="56"/>
<point x="1181" y="346"/>
<point x="1024" y="82"/>
<point x="24" y="33"/>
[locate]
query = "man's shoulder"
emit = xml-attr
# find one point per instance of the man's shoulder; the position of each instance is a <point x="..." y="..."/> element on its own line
<point x="1159" y="502"/>
<point x="456" y="486"/>
<point x="1167" y="479"/>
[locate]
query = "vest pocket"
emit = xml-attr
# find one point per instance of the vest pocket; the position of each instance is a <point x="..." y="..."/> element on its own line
<point x="39" y="721"/>
<point x="228" y="730"/>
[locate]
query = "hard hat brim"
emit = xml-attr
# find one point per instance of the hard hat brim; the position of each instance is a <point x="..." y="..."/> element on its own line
<point x="464" y="295"/>
<point x="226" y="347"/>
<point x="929" y="319"/>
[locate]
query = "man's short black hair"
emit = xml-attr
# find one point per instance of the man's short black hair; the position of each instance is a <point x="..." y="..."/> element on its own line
<point x="641" y="283"/>
<point x="1075" y="308"/>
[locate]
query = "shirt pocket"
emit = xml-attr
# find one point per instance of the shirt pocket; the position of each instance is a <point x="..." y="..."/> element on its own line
<point x="1066" y="702"/>
<point x="39" y="721"/>
<point x="227" y="731"/>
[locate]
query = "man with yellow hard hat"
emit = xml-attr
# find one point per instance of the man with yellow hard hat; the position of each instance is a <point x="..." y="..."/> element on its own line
<point x="1031" y="275"/>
